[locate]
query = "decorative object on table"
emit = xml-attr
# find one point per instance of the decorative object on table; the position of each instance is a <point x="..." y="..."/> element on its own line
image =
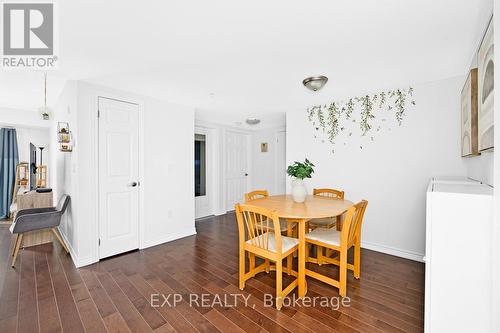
<point x="469" y="115"/>
<point x="64" y="137"/>
<point x="486" y="66"/>
<point x="315" y="83"/>
<point x="331" y="120"/>
<point x="263" y="147"/>
<point x="299" y="171"/>
<point x="44" y="110"/>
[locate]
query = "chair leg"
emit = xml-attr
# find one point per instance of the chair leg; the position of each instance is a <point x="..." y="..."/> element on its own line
<point x="268" y="265"/>
<point x="319" y="255"/>
<point x="343" y="273"/>
<point x="59" y="238"/>
<point x="289" y="233"/>
<point x="15" y="245"/>
<point x="251" y="263"/>
<point x="242" y="269"/>
<point x="16" y="250"/>
<point x="357" y="260"/>
<point x="279" y="283"/>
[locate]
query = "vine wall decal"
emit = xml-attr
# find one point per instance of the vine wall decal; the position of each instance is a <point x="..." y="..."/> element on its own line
<point x="329" y="121"/>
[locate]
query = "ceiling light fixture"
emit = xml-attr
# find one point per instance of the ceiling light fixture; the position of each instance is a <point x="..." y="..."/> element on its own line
<point x="252" y="121"/>
<point x="315" y="83"/>
<point x="45" y="111"/>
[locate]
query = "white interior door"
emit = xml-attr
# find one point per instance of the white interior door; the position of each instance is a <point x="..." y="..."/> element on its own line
<point x="202" y="173"/>
<point x="281" y="163"/>
<point x="236" y="168"/>
<point x="118" y="177"/>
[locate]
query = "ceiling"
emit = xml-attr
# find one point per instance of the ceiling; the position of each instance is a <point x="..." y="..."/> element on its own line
<point x="249" y="58"/>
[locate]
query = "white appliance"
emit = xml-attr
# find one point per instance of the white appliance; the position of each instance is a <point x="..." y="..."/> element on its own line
<point x="458" y="255"/>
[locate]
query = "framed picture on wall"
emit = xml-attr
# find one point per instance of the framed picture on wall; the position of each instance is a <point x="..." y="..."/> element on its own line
<point x="486" y="66"/>
<point x="469" y="108"/>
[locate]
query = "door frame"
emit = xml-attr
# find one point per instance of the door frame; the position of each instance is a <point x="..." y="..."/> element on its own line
<point x="276" y="154"/>
<point x="95" y="145"/>
<point x="209" y="165"/>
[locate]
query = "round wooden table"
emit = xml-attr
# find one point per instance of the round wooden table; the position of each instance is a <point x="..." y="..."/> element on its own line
<point x="314" y="207"/>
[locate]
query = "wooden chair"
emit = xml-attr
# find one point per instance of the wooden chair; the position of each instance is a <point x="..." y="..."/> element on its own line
<point x="258" y="194"/>
<point x="340" y="241"/>
<point x="326" y="222"/>
<point x="256" y="238"/>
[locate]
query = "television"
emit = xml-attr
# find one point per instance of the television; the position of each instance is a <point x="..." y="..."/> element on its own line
<point x="32" y="167"/>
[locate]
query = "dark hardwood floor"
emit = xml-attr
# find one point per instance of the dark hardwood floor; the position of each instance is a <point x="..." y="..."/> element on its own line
<point x="47" y="293"/>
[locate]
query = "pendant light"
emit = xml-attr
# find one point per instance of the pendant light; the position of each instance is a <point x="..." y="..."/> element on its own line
<point x="45" y="110"/>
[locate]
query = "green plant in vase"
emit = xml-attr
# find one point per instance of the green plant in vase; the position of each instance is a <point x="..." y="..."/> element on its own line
<point x="299" y="171"/>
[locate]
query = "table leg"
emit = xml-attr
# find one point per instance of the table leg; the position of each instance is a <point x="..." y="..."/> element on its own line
<point x="302" y="258"/>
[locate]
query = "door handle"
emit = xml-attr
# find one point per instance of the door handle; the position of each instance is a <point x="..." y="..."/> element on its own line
<point x="133" y="184"/>
<point x="246" y="174"/>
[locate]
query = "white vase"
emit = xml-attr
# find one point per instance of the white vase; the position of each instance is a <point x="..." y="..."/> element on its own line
<point x="299" y="191"/>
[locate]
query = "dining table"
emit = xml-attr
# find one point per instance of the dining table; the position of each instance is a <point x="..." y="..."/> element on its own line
<point x="313" y="207"/>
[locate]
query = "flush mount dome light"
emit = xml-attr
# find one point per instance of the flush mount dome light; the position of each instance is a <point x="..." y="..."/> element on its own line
<point x="315" y="83"/>
<point x="252" y="121"/>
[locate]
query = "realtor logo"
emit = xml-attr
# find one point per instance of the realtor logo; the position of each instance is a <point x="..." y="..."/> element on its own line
<point x="28" y="35"/>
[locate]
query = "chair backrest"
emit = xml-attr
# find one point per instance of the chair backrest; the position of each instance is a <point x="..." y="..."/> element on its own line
<point x="63" y="203"/>
<point x="256" y="195"/>
<point x="351" y="227"/>
<point x="254" y="224"/>
<point x="329" y="193"/>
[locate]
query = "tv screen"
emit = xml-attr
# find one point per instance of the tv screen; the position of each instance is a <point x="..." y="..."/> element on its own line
<point x="32" y="167"/>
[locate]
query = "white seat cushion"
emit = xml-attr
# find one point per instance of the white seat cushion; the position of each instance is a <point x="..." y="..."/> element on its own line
<point x="11" y="228"/>
<point x="286" y="242"/>
<point x="327" y="236"/>
<point x="325" y="223"/>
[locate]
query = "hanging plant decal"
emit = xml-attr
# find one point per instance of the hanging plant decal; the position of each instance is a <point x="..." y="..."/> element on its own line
<point x="366" y="113"/>
<point x="332" y="119"/>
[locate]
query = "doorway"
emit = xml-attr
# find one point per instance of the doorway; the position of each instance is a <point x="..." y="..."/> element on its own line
<point x="202" y="173"/>
<point x="118" y="153"/>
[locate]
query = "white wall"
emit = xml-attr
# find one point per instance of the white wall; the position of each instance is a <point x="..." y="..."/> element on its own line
<point x="393" y="171"/>
<point x="166" y="191"/>
<point x="495" y="228"/>
<point x="481" y="167"/>
<point x="64" y="173"/>
<point x="264" y="164"/>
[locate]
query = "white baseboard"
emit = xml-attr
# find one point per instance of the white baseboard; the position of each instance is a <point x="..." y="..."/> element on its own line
<point x="393" y="251"/>
<point x="72" y="252"/>
<point x="168" y="238"/>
